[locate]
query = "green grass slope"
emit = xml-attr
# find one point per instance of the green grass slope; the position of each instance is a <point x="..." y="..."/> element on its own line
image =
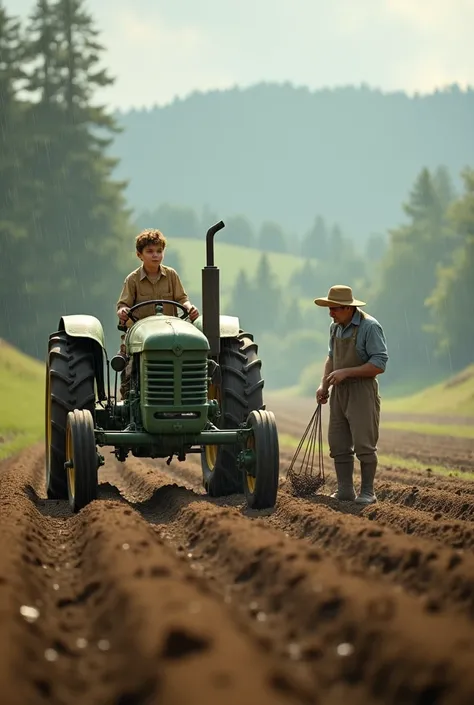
<point x="453" y="397"/>
<point x="21" y="400"/>
<point x="229" y="258"/>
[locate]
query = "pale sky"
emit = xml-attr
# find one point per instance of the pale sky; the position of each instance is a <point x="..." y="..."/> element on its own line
<point x="160" y="49"/>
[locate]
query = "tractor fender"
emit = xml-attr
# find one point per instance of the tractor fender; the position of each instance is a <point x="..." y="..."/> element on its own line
<point x="229" y="326"/>
<point x="83" y="326"/>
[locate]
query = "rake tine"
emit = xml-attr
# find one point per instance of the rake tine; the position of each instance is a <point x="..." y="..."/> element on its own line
<point x="303" y="479"/>
<point x="301" y="444"/>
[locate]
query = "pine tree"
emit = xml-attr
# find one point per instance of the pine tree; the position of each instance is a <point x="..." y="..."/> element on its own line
<point x="407" y="277"/>
<point x="443" y="186"/>
<point x="293" y="318"/>
<point x="315" y="242"/>
<point x="271" y="237"/>
<point x="267" y="300"/>
<point x="451" y="300"/>
<point x="42" y="51"/>
<point x="336" y="245"/>
<point x="303" y="279"/>
<point x="424" y="205"/>
<point x="80" y="61"/>
<point x="79" y="220"/>
<point x="239" y="231"/>
<point x="242" y="302"/>
<point x="375" y="248"/>
<point x="13" y="186"/>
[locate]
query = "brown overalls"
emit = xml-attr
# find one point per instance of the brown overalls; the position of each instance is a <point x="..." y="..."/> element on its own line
<point x="354" y="408"/>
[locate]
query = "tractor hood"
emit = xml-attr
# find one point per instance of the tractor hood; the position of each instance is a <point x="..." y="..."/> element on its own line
<point x="165" y="333"/>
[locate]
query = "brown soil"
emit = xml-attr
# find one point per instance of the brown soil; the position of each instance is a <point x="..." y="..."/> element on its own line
<point x="157" y="594"/>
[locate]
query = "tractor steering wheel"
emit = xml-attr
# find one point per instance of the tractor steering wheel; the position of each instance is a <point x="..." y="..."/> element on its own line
<point x="158" y="301"/>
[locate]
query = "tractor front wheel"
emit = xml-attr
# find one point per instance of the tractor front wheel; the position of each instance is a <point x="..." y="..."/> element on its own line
<point x="261" y="471"/>
<point x="82" y="461"/>
<point x="70" y="384"/>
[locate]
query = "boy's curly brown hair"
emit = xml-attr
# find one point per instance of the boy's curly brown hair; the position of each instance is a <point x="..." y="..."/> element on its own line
<point x="149" y="237"/>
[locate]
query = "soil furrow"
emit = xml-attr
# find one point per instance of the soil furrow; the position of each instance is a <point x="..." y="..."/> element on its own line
<point x="444" y="576"/>
<point x="449" y="532"/>
<point x="443" y="504"/>
<point x="157" y="591"/>
<point x="347" y="630"/>
<point x="426" y="478"/>
<point x="95" y="607"/>
<point x="175" y="633"/>
<point x="61" y="636"/>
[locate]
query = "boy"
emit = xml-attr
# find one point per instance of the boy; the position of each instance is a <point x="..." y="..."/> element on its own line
<point x="152" y="280"/>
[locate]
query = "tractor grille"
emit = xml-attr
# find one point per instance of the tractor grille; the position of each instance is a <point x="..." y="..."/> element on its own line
<point x="159" y="382"/>
<point x="194" y="382"/>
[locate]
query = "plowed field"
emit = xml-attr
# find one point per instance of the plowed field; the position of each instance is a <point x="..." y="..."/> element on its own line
<point x="158" y="594"/>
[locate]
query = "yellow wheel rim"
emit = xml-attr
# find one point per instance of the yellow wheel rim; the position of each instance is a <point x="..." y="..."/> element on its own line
<point x="70" y="460"/>
<point x="48" y="421"/>
<point x="211" y="457"/>
<point x="211" y="451"/>
<point x="250" y="479"/>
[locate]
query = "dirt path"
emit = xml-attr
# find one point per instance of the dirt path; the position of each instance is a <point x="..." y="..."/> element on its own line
<point x="157" y="594"/>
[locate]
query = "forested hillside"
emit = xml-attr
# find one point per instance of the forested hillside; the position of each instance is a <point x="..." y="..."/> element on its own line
<point x="62" y="217"/>
<point x="66" y="226"/>
<point x="285" y="154"/>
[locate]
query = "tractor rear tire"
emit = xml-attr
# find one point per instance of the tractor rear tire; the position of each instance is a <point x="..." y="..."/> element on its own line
<point x="240" y="392"/>
<point x="81" y="455"/>
<point x="70" y="384"/>
<point x="261" y="486"/>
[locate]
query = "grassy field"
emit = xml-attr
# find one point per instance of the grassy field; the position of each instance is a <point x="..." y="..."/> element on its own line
<point x="432" y="429"/>
<point x="454" y="397"/>
<point x="21" y="400"/>
<point x="230" y="259"/>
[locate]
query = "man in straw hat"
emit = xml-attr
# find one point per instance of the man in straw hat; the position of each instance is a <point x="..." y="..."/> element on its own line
<point x="357" y="354"/>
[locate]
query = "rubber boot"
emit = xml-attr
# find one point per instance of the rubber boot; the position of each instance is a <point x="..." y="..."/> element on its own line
<point x="345" y="485"/>
<point x="367" y="494"/>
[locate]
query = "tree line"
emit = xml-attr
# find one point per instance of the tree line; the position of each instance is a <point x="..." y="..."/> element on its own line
<point x="423" y="289"/>
<point x="420" y="287"/>
<point x="285" y="153"/>
<point x="65" y="225"/>
<point x="63" y="218"/>
<point x="322" y="240"/>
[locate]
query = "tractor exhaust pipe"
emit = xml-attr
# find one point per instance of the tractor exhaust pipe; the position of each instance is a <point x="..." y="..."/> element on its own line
<point x="211" y="294"/>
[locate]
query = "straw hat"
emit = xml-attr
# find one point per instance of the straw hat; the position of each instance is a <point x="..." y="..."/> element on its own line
<point x="339" y="295"/>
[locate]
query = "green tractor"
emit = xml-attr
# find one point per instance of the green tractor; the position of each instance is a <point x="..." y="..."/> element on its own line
<point x="194" y="388"/>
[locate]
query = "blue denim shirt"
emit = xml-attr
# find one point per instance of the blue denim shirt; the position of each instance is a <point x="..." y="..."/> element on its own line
<point x="371" y="345"/>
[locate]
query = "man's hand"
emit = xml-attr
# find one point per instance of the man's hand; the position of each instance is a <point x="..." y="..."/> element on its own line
<point x="193" y="312"/>
<point x="338" y="376"/>
<point x="123" y="313"/>
<point x="322" y="394"/>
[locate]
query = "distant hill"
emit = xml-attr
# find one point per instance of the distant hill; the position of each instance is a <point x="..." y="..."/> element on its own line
<point x="229" y="258"/>
<point x="453" y="397"/>
<point x="285" y="153"/>
<point x="21" y="401"/>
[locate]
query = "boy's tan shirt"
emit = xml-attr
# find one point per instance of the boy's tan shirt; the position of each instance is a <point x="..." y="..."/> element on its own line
<point x="137" y="288"/>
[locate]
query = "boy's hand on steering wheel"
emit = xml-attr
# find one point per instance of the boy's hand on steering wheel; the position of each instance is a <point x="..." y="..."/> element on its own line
<point x="123" y="313"/>
<point x="193" y="313"/>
